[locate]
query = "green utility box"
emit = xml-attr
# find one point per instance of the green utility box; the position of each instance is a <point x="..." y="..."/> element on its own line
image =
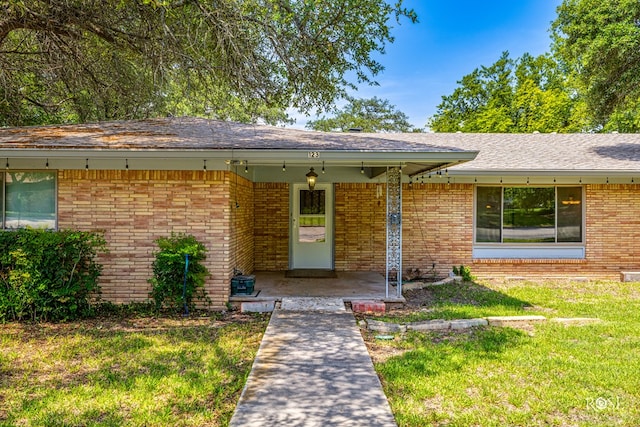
<point x="242" y="285"/>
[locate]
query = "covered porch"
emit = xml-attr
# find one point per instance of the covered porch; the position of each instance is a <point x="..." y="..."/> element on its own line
<point x="348" y="285"/>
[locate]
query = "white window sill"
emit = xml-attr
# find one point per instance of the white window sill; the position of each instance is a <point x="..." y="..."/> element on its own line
<point x="528" y="252"/>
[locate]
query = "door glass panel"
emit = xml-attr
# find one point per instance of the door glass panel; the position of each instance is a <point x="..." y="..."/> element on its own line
<point x="311" y="219"/>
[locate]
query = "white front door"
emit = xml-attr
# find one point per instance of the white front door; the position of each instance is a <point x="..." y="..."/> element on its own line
<point x="312" y="227"/>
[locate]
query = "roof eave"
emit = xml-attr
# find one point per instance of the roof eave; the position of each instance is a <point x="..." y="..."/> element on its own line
<point x="255" y="156"/>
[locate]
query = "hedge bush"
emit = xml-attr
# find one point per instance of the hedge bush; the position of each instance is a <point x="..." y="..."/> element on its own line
<point x="168" y="282"/>
<point x="48" y="275"/>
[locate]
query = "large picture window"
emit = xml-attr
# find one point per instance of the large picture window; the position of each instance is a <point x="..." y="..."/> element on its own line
<point x="536" y="215"/>
<point x="29" y="199"/>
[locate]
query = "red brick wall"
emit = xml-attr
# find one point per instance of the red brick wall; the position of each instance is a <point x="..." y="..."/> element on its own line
<point x="137" y="207"/>
<point x="612" y="236"/>
<point x="241" y="245"/>
<point x="360" y="227"/>
<point x="437" y="226"/>
<point x="271" y="226"/>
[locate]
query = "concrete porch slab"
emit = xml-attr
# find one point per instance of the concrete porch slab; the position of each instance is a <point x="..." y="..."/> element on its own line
<point x="349" y="286"/>
<point x="312" y="304"/>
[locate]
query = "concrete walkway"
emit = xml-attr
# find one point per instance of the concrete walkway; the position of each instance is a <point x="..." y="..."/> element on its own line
<point x="312" y="369"/>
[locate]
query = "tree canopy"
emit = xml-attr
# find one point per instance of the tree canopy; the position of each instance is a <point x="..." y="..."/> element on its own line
<point x="589" y="82"/>
<point x="526" y="95"/>
<point x="598" y="41"/>
<point x="83" y="60"/>
<point x="366" y="115"/>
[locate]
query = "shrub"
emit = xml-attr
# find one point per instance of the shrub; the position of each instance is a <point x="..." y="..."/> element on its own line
<point x="48" y="275"/>
<point x="464" y="272"/>
<point x="168" y="282"/>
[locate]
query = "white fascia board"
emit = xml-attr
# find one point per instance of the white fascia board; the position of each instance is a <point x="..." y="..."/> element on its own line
<point x="256" y="157"/>
<point x="548" y="173"/>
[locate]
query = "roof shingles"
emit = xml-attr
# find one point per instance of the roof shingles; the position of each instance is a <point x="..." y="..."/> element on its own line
<point x="497" y="152"/>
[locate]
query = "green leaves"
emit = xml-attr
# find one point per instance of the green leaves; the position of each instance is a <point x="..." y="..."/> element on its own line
<point x="168" y="282"/>
<point x="598" y="41"/>
<point x="526" y="95"/>
<point x="48" y="275"/>
<point x="367" y="115"/>
<point x="90" y="60"/>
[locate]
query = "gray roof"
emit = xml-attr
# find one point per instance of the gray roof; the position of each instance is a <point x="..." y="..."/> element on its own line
<point x="497" y="152"/>
<point x="539" y="152"/>
<point x="202" y="134"/>
<point x="216" y="141"/>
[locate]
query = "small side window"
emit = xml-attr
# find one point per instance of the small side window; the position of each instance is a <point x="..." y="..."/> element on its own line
<point x="29" y="200"/>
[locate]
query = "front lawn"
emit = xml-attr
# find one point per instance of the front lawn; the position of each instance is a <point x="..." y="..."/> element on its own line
<point x="547" y="374"/>
<point x="136" y="371"/>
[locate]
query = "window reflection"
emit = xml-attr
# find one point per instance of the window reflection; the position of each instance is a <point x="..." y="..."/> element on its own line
<point x="311" y="218"/>
<point x="529" y="214"/>
<point x="30" y="200"/>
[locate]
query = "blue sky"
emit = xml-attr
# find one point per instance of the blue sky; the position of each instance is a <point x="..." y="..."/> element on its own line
<point x="453" y="38"/>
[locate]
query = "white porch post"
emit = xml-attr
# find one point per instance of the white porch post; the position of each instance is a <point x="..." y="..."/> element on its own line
<point x="394" y="230"/>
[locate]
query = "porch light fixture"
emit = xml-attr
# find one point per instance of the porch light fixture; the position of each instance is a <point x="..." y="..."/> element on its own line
<point x="311" y="179"/>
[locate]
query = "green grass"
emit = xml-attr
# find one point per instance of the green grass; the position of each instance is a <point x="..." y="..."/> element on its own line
<point x="463" y="301"/>
<point x="137" y="372"/>
<point x="549" y="375"/>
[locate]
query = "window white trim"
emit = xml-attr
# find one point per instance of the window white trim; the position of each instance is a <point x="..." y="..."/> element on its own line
<point x="557" y="250"/>
<point x="549" y="251"/>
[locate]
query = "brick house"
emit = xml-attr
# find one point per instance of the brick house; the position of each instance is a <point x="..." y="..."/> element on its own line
<point x="537" y="205"/>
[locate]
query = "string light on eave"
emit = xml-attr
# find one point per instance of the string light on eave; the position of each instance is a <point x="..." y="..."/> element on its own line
<point x="86" y="164"/>
<point x="6" y="166"/>
<point x="362" y="168"/>
<point x="246" y="167"/>
<point x="323" y="166"/>
<point x="46" y="165"/>
<point x="284" y="166"/>
<point x="204" y="165"/>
